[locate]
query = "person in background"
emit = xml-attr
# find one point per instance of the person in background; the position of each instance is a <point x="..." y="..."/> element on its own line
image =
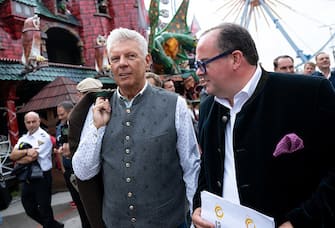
<point x="88" y="85"/>
<point x="202" y="93"/>
<point x="145" y="148"/>
<point x="168" y="84"/>
<point x="36" y="193"/>
<point x="309" y="68"/>
<point x="257" y="139"/>
<point x="63" y="110"/>
<point x="190" y="85"/>
<point x="322" y="61"/>
<point x="283" y="64"/>
<point x="153" y="79"/>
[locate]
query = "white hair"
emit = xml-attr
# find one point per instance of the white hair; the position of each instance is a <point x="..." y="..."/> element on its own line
<point x="121" y="34"/>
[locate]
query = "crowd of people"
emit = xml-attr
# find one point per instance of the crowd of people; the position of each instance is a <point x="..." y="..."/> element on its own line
<point x="140" y="155"/>
<point x="321" y="67"/>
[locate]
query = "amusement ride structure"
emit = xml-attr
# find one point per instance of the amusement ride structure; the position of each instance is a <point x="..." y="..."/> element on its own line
<point x="244" y="11"/>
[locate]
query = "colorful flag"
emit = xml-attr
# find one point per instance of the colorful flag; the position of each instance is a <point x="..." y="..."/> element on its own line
<point x="195" y="27"/>
<point x="142" y="15"/>
<point x="153" y="18"/>
<point x="178" y="24"/>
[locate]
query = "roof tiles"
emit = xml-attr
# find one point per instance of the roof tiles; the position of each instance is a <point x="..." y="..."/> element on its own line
<point x="51" y="95"/>
<point x="11" y="70"/>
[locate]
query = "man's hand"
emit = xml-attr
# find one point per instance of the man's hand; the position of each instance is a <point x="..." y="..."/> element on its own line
<point x="101" y="112"/>
<point x="33" y="153"/>
<point x="200" y="222"/>
<point x="286" y="225"/>
<point x="63" y="150"/>
<point x="66" y="150"/>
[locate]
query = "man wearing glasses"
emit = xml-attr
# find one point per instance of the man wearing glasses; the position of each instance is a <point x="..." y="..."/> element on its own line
<point x="263" y="135"/>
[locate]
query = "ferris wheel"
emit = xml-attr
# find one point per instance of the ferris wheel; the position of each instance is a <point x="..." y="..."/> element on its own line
<point x="246" y="12"/>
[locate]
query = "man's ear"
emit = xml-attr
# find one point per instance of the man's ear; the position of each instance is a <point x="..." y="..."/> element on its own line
<point x="148" y="60"/>
<point x="237" y="59"/>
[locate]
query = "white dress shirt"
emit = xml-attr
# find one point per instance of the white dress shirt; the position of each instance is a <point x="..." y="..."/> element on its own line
<point x="229" y="190"/>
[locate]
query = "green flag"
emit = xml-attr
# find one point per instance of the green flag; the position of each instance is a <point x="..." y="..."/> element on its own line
<point x="178" y="24"/>
<point x="154" y="18"/>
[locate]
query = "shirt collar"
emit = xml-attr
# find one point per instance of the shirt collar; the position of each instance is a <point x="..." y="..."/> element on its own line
<point x="250" y="87"/>
<point x="35" y="133"/>
<point x="129" y="102"/>
<point x="242" y="96"/>
<point x="321" y="72"/>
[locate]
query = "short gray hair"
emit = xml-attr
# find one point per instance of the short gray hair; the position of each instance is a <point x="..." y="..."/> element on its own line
<point x="67" y="105"/>
<point x="122" y="34"/>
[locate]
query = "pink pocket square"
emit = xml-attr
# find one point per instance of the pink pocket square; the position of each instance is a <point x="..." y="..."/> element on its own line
<point x="288" y="144"/>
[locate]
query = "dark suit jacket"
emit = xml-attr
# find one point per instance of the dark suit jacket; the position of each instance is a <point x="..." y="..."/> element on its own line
<point x="331" y="78"/>
<point x="299" y="187"/>
<point x="90" y="191"/>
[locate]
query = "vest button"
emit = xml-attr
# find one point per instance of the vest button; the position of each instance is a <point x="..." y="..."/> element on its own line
<point x="127" y="123"/>
<point x="133" y="220"/>
<point x="127" y="164"/>
<point x="127" y="137"/>
<point x="128" y="110"/>
<point x="128" y="179"/>
<point x="127" y="151"/>
<point x="130" y="194"/>
<point x="131" y="207"/>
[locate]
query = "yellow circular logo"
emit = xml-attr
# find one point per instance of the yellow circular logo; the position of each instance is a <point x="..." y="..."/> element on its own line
<point x="219" y="212"/>
<point x="249" y="223"/>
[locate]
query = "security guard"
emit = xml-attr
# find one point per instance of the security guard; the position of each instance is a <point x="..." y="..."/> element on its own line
<point x="36" y="193"/>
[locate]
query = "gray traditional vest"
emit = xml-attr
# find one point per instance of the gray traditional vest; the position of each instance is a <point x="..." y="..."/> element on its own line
<point x="143" y="179"/>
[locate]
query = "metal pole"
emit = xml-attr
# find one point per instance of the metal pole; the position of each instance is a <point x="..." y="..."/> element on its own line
<point x="299" y="52"/>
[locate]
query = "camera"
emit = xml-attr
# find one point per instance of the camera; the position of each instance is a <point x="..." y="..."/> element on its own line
<point x="64" y="133"/>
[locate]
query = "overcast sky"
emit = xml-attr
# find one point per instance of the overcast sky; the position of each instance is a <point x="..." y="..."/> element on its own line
<point x="308" y="23"/>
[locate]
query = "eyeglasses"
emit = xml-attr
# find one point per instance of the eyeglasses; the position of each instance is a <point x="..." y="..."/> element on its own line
<point x="199" y="64"/>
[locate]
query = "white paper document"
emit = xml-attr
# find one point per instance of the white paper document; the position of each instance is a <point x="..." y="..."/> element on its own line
<point x="225" y="214"/>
